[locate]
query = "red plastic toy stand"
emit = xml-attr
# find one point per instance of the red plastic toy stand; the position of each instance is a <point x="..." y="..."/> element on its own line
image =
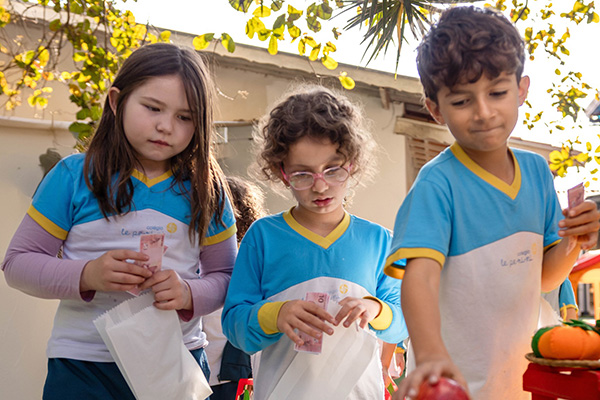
<point x="244" y="385"/>
<point x="550" y="383"/>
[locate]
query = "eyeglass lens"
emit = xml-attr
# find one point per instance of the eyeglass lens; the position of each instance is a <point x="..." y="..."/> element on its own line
<point x="303" y="180"/>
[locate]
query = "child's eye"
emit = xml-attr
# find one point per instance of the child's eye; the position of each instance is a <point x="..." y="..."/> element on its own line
<point x="458" y="103"/>
<point x="152" y="108"/>
<point x="499" y="93"/>
<point x="185" y="118"/>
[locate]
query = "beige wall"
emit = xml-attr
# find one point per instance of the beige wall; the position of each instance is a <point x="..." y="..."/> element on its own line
<point x="25" y="321"/>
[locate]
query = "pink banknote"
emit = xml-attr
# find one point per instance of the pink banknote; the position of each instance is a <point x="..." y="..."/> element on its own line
<point x="311" y="344"/>
<point x="153" y="246"/>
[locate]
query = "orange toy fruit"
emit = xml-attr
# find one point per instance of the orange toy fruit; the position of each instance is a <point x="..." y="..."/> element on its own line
<point x="574" y="340"/>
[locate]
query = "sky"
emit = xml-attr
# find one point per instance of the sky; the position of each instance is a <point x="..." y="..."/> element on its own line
<point x="217" y="16"/>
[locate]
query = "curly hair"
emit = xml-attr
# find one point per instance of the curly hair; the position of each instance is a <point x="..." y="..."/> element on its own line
<point x="466" y="43"/>
<point x="317" y="112"/>
<point x="248" y="203"/>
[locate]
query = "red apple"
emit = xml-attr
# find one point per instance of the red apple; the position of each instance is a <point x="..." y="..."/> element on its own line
<point x="444" y="389"/>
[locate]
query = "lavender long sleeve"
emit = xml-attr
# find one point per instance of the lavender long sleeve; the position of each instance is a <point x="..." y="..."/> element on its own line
<point x="31" y="265"/>
<point x="208" y="293"/>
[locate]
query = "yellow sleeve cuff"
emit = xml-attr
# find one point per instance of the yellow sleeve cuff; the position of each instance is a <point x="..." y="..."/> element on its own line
<point x="399" y="350"/>
<point x="385" y="317"/>
<point x="267" y="316"/>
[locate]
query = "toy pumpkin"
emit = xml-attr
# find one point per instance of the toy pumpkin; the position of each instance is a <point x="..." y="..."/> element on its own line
<point x="574" y="340"/>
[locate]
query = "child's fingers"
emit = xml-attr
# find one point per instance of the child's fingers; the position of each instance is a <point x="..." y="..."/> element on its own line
<point x="409" y="386"/>
<point x="355" y="314"/>
<point x="589" y="241"/>
<point x="124" y="254"/>
<point x="319" y="312"/>
<point x="587" y="218"/>
<point x="156" y="280"/>
<point x="290" y="333"/>
<point x="132" y="269"/>
<point x="348" y="304"/>
<point x="318" y="323"/>
<point x="582" y="208"/>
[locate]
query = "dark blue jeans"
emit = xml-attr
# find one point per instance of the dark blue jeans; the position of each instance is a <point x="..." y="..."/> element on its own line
<point x="74" y="379"/>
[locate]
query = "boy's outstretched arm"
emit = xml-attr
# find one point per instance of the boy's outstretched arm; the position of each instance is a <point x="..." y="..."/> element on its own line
<point x="420" y="293"/>
<point x="580" y="222"/>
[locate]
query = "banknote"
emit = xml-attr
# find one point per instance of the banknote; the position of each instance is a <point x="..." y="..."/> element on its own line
<point x="313" y="345"/>
<point x="575" y="196"/>
<point x="153" y="246"/>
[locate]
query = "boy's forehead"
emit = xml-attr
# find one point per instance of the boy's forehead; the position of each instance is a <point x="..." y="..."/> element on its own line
<point x="484" y="80"/>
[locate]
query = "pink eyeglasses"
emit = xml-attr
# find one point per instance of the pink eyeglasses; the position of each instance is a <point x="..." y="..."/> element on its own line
<point x="304" y="179"/>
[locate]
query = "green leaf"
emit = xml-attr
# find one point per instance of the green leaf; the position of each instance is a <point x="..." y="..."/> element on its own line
<point x="313" y="24"/>
<point x="227" y="42"/>
<point x="324" y="11"/>
<point x="202" y="41"/>
<point x="82" y="114"/>
<point x="279" y="26"/>
<point x="240" y="5"/>
<point x="55" y="25"/>
<point x="293" y="14"/>
<point x="80" y="128"/>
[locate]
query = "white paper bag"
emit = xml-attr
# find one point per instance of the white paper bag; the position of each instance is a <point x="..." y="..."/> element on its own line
<point x="346" y="355"/>
<point x="148" y="347"/>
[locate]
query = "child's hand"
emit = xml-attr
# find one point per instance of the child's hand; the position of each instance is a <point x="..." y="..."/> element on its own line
<point x="305" y="316"/>
<point x="110" y="272"/>
<point x="430" y="370"/>
<point x="170" y="291"/>
<point x="354" y="308"/>
<point x="581" y="221"/>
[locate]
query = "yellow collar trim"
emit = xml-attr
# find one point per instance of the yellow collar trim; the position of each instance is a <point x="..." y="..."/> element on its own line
<point x="511" y="190"/>
<point x="324" y="242"/>
<point x="150" y="182"/>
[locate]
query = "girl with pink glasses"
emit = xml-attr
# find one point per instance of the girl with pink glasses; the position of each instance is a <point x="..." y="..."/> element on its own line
<point x="314" y="142"/>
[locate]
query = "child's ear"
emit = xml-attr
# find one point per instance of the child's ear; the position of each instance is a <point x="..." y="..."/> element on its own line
<point x="434" y="110"/>
<point x="523" y="89"/>
<point x="113" y="96"/>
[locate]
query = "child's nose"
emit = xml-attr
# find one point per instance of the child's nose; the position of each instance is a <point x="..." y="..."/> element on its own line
<point x="483" y="110"/>
<point x="320" y="184"/>
<point x="164" y="124"/>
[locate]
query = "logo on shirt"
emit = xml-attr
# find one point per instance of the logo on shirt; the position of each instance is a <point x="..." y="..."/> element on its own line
<point x="523" y="257"/>
<point x="343" y="288"/>
<point x="171" y="227"/>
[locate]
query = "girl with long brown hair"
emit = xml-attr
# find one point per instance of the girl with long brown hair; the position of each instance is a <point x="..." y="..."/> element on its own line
<point x="149" y="170"/>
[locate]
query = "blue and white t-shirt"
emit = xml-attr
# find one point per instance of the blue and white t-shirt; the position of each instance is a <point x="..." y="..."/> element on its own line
<point x="281" y="260"/>
<point x="489" y="238"/>
<point x="64" y="206"/>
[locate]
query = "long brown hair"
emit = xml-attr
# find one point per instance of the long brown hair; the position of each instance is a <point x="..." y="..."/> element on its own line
<point x="110" y="159"/>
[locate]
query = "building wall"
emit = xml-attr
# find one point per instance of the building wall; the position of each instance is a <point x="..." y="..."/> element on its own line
<point x="25" y="321"/>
